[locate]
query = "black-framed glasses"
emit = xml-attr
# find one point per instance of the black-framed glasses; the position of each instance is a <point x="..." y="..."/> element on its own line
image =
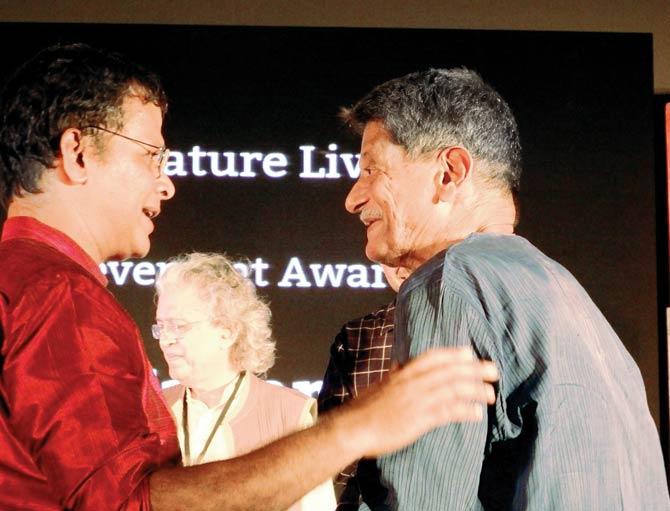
<point x="158" y="157"/>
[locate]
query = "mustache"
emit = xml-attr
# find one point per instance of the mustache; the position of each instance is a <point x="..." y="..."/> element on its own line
<point x="369" y="215"/>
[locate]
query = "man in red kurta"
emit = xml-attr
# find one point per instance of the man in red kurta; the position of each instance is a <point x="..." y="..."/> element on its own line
<point x="71" y="350"/>
<point x="82" y="423"/>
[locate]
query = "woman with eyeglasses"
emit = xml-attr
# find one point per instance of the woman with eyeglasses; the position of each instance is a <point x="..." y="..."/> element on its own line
<point x="214" y="331"/>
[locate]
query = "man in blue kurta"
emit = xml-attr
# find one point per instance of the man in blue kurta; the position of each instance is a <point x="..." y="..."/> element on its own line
<point x="570" y="429"/>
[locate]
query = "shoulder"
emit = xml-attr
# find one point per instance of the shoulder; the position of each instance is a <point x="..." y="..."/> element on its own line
<point x="378" y="320"/>
<point x="279" y="392"/>
<point x="491" y="249"/>
<point x="381" y="314"/>
<point x="478" y="265"/>
<point x="30" y="266"/>
<point x="47" y="297"/>
<point x="173" y="394"/>
<point x="289" y="403"/>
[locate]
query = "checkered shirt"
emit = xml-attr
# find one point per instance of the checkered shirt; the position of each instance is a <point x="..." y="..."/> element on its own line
<point x="359" y="357"/>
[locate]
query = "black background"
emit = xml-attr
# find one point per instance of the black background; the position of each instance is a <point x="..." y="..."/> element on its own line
<point x="584" y="106"/>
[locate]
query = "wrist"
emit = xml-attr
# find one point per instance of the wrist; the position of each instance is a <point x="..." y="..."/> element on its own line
<point x="352" y="431"/>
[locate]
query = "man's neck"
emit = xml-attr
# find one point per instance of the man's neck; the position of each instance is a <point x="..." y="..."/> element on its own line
<point x="37" y="206"/>
<point x="497" y="214"/>
<point x="494" y="213"/>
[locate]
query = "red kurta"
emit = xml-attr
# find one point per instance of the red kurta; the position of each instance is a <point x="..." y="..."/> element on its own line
<point x="82" y="420"/>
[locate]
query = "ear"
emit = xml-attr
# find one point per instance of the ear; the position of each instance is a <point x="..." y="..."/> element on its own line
<point x="456" y="169"/>
<point x="72" y="156"/>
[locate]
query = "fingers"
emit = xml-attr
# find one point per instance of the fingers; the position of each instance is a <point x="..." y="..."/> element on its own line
<point x="445" y="366"/>
<point x="473" y="391"/>
<point x="464" y="412"/>
<point x="462" y="357"/>
<point x="437" y="387"/>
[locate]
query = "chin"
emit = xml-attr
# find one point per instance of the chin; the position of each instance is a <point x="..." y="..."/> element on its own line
<point x="140" y="248"/>
<point x="139" y="254"/>
<point x="181" y="376"/>
<point x="135" y="251"/>
<point x="386" y="256"/>
<point x="371" y="255"/>
<point x="377" y="254"/>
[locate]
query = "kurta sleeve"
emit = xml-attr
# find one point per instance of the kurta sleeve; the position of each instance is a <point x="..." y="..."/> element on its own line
<point x="78" y="396"/>
<point x="440" y="470"/>
<point x="446" y="468"/>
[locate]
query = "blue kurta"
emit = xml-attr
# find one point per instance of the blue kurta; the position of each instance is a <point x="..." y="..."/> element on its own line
<point x="570" y="428"/>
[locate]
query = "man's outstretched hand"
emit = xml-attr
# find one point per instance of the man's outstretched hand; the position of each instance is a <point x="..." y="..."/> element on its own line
<point x="437" y="387"/>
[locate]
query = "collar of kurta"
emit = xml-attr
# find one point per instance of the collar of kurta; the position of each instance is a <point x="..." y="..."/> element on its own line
<point x="29" y="228"/>
<point x="237" y="404"/>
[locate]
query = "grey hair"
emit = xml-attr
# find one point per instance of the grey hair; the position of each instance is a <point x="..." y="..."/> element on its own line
<point x="434" y="109"/>
<point x="233" y="303"/>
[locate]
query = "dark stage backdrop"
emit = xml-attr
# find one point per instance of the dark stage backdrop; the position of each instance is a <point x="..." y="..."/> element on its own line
<point x="269" y="97"/>
<point x="664" y="353"/>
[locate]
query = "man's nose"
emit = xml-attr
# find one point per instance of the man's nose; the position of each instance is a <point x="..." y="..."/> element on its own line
<point x="356" y="198"/>
<point x="165" y="187"/>
<point x="167" y="339"/>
